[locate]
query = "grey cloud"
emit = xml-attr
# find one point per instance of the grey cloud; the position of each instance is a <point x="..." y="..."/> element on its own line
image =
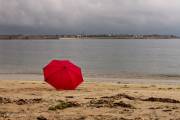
<point x="89" y="16"/>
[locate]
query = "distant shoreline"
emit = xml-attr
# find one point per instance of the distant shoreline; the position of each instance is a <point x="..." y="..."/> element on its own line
<point x="59" y="37"/>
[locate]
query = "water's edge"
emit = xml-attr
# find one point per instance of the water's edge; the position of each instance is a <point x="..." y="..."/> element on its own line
<point x="152" y="79"/>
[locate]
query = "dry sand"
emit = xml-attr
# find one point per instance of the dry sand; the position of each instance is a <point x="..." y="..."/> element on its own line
<point x="36" y="100"/>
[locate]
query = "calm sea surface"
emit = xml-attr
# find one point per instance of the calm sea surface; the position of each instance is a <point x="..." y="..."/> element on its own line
<point x="96" y="57"/>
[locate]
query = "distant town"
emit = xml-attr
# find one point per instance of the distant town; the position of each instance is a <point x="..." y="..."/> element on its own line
<point x="103" y="36"/>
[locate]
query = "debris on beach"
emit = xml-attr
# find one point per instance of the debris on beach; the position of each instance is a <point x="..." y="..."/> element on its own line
<point x="4" y="100"/>
<point x="165" y="107"/>
<point x="164" y="100"/>
<point x="90" y="98"/>
<point x="123" y="104"/>
<point x="112" y="101"/>
<point x="108" y="117"/>
<point x="28" y="101"/>
<point x="63" y="105"/>
<point x="120" y="96"/>
<point x="100" y="103"/>
<point x="109" y="103"/>
<point x="41" y="118"/>
<point x="69" y="96"/>
<point x="3" y="114"/>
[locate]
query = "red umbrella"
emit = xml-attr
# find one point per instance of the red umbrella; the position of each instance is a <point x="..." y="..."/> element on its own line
<point x="62" y="74"/>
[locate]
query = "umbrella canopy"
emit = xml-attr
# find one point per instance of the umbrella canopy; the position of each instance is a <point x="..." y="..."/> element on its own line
<point x="62" y="74"/>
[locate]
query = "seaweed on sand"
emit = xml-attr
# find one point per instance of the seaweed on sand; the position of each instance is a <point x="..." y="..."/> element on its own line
<point x="4" y="100"/>
<point x="28" y="101"/>
<point x="124" y="105"/>
<point x="63" y="105"/>
<point x="164" y="100"/>
<point x="119" y="96"/>
<point x="109" y="103"/>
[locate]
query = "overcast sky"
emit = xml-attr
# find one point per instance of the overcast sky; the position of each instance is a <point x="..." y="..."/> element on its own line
<point x="90" y="16"/>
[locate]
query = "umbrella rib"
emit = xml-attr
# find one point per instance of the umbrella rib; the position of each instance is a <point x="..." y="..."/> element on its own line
<point x="74" y="71"/>
<point x="53" y="73"/>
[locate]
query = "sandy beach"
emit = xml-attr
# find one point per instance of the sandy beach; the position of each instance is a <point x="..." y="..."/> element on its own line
<point x="36" y="100"/>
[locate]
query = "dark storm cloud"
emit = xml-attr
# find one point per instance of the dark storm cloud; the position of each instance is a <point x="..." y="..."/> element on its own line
<point x="89" y="16"/>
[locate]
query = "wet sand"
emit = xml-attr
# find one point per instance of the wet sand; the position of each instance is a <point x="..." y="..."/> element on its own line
<point x="36" y="100"/>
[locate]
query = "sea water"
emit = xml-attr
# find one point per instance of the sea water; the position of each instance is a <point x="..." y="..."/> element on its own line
<point x="98" y="57"/>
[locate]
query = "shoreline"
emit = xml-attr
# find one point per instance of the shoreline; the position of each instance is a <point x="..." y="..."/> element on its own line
<point x="90" y="39"/>
<point x="90" y="36"/>
<point x="154" y="79"/>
